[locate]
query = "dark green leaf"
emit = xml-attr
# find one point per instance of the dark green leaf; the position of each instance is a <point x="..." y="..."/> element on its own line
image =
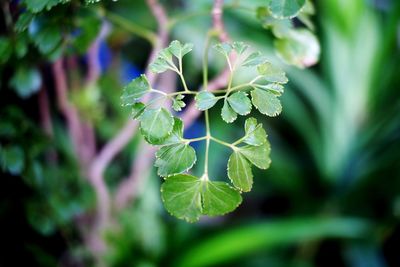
<point x="12" y="159"/>
<point x="174" y="159"/>
<point x="23" y="21"/>
<point x="240" y="103"/>
<point x="137" y="110"/>
<point x="135" y="90"/>
<point x="181" y="195"/>
<point x="219" y="198"/>
<point x="177" y="133"/>
<point x="156" y="124"/>
<point x="38" y="5"/>
<point x="239" y="172"/>
<point x="266" y="102"/>
<point x="5" y="49"/>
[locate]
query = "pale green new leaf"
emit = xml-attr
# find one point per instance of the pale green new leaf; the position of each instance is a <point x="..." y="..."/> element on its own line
<point x="137" y="110"/>
<point x="239" y="47"/>
<point x="156" y="124"/>
<point x="181" y="195"/>
<point x="135" y="90"/>
<point x="255" y="133"/>
<point x="257" y="155"/>
<point x="240" y="103"/>
<point x="219" y="198"/>
<point x="205" y="100"/>
<point x="282" y="9"/>
<point x="177" y="103"/>
<point x="224" y="48"/>
<point x="272" y="73"/>
<point x="266" y="102"/>
<point x="173" y="159"/>
<point x="179" y="50"/>
<point x="163" y="62"/>
<point x="239" y="172"/>
<point x="253" y="59"/>
<point x="227" y="113"/>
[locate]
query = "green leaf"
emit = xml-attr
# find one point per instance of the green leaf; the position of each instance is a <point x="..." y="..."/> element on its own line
<point x="253" y="59"/>
<point x="282" y="9"/>
<point x="266" y="102"/>
<point x="257" y="155"/>
<point x="181" y="195"/>
<point x="274" y="87"/>
<point x="179" y="50"/>
<point x="227" y="113"/>
<point x="300" y="48"/>
<point x="26" y="81"/>
<point x="38" y="5"/>
<point x="47" y="39"/>
<point x="239" y="172"/>
<point x="174" y="159"/>
<point x="219" y="198"/>
<point x="240" y="103"/>
<point x="23" y="21"/>
<point x="272" y="73"/>
<point x="188" y="197"/>
<point x="163" y="62"/>
<point x="137" y="110"/>
<point x="239" y="47"/>
<point x="177" y="103"/>
<point x="156" y="124"/>
<point x="224" y="48"/>
<point x="135" y="90"/>
<point x="5" y="49"/>
<point x="177" y="133"/>
<point x="205" y="100"/>
<point x="255" y="133"/>
<point x="12" y="159"/>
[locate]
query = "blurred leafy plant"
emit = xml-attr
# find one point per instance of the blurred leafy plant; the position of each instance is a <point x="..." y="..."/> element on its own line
<point x="186" y="196"/>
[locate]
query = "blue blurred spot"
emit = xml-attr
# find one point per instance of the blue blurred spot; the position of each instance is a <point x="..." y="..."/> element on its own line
<point x="129" y="72"/>
<point x="104" y="56"/>
<point x="197" y="129"/>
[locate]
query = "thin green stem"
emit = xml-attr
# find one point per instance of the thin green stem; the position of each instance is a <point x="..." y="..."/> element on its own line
<point x="208" y="137"/>
<point x="183" y="82"/>
<point x="205" y="60"/>
<point x="197" y="139"/>
<point x="222" y="142"/>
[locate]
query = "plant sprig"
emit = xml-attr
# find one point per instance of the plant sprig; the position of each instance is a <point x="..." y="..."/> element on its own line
<point x="184" y="195"/>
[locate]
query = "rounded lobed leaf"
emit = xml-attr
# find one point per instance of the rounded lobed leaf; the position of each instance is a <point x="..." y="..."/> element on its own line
<point x="135" y="90"/>
<point x="240" y="103"/>
<point x="219" y="198"/>
<point x="156" y="124"/>
<point x="255" y="133"/>
<point x="282" y="9"/>
<point x="205" y="100"/>
<point x="239" y="172"/>
<point x="257" y="155"/>
<point x="266" y="102"/>
<point x="173" y="159"/>
<point x="227" y="113"/>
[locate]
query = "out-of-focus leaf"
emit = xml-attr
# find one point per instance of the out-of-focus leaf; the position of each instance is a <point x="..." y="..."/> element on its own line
<point x="5" y="49"/>
<point x="89" y="27"/>
<point x="137" y="110"/>
<point x="282" y="9"/>
<point x="47" y="37"/>
<point x="23" y="21"/>
<point x="240" y="103"/>
<point x="272" y="73"/>
<point x="224" y="48"/>
<point x="300" y="48"/>
<point x="36" y="6"/>
<point x="244" y="240"/>
<point x="179" y="50"/>
<point x="26" y="81"/>
<point x="174" y="159"/>
<point x="12" y="159"/>
<point x="267" y="103"/>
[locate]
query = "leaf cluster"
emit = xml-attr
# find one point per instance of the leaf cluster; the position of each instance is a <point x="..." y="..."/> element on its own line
<point x="184" y="195"/>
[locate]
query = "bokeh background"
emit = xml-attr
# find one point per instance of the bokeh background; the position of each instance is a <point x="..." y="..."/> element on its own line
<point x="330" y="198"/>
